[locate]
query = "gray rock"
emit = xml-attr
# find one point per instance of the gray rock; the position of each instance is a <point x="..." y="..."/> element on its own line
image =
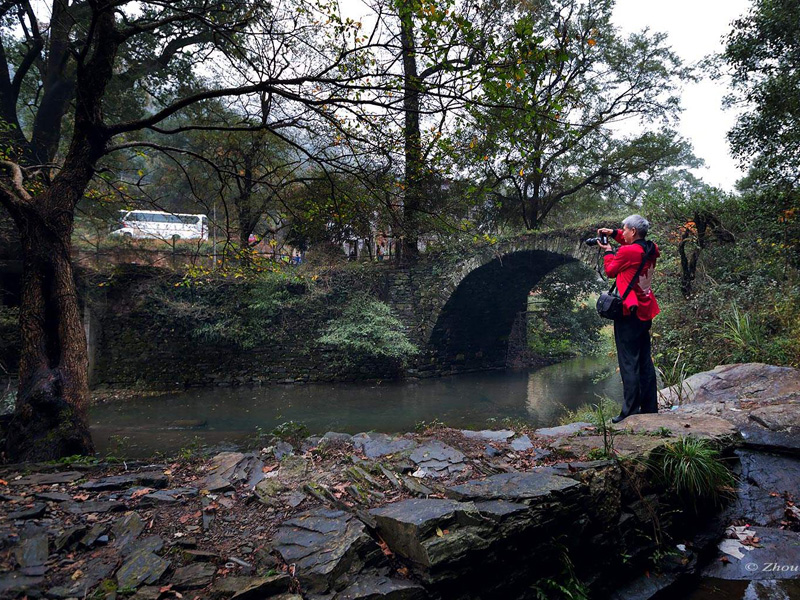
<point x="324" y="544"/>
<point x="251" y="588"/>
<point x="230" y="469"/>
<point x="69" y="536"/>
<point x="148" y="592"/>
<point x="53" y="496"/>
<point x="171" y="496"/>
<point x="732" y="382"/>
<point x="83" y="508"/>
<point x="521" y="444"/>
<point x="92" y="536"/>
<point x="153" y="479"/>
<point x="563" y="430"/>
<point x="34" y="512"/>
<point x="764" y="480"/>
<point x="491" y="452"/>
<point x="32" y="549"/>
<point x="489" y="435"/>
<point x="408" y="525"/>
<point x="778" y="553"/>
<point x="761" y="438"/>
<point x="375" y="445"/>
<point x="151" y="543"/>
<point x="95" y="571"/>
<point x="141" y="568"/>
<point x="283" y="449"/>
<point x="194" y="576"/>
<point x="780" y="418"/>
<point x="12" y="584"/>
<point x="48" y="478"/>
<point x="333" y="436"/>
<point x="127" y="529"/>
<point x="380" y="587"/>
<point x="437" y="458"/>
<point x="513" y="486"/>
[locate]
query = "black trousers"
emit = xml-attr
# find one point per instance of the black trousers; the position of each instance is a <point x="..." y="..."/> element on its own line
<point x="632" y="338"/>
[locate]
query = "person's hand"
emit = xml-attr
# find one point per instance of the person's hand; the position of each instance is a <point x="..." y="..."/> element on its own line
<point x="605" y="247"/>
<point x="605" y="230"/>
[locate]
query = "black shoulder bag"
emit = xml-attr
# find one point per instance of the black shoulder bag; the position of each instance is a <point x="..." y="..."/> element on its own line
<point x="609" y="304"/>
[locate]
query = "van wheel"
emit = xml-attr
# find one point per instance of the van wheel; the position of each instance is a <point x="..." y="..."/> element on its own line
<point x="127" y="234"/>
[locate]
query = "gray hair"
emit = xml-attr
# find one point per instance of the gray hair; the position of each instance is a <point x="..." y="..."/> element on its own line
<point x="637" y="222"/>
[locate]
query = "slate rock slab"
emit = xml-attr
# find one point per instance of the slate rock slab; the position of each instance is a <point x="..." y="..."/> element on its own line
<point x="169" y="496"/>
<point x="141" y="568"/>
<point x="375" y="445"/>
<point x="95" y="571"/>
<point x="153" y="479"/>
<point x="563" y="430"/>
<point x="517" y="487"/>
<point x="48" y="478"/>
<point x="408" y="525"/>
<point x="521" y="444"/>
<point x="151" y="543"/>
<point x="99" y="506"/>
<point x="127" y="529"/>
<point x="250" y="588"/>
<point x="489" y="435"/>
<point x="32" y="549"/>
<point x="381" y="587"/>
<point x="324" y="544"/>
<point x="53" y="496"/>
<point x="194" y="576"/>
<point x="437" y="459"/>
<point x="230" y="469"/>
<point x="32" y="512"/>
<point x="13" y="583"/>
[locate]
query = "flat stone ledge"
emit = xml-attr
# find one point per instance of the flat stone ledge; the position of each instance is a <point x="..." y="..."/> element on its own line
<point x="515" y="487"/>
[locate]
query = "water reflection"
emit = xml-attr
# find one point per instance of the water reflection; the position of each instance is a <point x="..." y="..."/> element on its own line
<point x="584" y="380"/>
<point x="475" y="400"/>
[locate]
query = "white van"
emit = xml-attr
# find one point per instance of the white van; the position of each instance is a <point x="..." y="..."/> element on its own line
<point x="161" y="225"/>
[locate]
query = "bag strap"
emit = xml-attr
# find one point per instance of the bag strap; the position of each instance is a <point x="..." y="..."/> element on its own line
<point x="645" y="256"/>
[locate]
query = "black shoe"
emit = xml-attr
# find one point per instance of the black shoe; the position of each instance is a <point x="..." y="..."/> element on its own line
<point x="617" y="419"/>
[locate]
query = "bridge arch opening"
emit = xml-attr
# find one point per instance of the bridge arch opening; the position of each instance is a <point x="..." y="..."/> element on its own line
<point x="473" y="328"/>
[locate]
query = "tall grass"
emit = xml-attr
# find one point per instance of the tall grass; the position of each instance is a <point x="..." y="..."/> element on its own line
<point x="739" y="331"/>
<point x="693" y="469"/>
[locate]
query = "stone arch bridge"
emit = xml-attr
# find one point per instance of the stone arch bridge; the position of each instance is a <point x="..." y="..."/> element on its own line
<point x="460" y="308"/>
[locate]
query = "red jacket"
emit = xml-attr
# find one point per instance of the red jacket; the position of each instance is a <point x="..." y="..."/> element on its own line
<point x="623" y="266"/>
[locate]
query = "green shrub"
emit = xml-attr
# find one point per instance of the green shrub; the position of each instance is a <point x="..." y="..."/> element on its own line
<point x="367" y="328"/>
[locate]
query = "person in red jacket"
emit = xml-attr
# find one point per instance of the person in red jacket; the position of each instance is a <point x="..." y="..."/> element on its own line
<point x="632" y="330"/>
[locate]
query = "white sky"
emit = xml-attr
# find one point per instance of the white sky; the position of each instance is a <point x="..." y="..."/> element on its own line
<point x="695" y="29"/>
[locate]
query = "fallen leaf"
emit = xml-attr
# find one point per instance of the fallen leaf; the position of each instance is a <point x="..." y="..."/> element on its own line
<point x="141" y="492"/>
<point x="268" y="468"/>
<point x="439" y="532"/>
<point x="80" y="497"/>
<point x="403" y="571"/>
<point x="76" y="575"/>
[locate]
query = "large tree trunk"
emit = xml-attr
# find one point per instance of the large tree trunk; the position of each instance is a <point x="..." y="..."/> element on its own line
<point x="412" y="200"/>
<point x="50" y="420"/>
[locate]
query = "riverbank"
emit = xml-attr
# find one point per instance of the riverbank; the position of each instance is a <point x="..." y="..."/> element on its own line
<point x="443" y="513"/>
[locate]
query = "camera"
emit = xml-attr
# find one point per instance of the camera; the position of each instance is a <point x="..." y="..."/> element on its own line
<point x="603" y="239"/>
